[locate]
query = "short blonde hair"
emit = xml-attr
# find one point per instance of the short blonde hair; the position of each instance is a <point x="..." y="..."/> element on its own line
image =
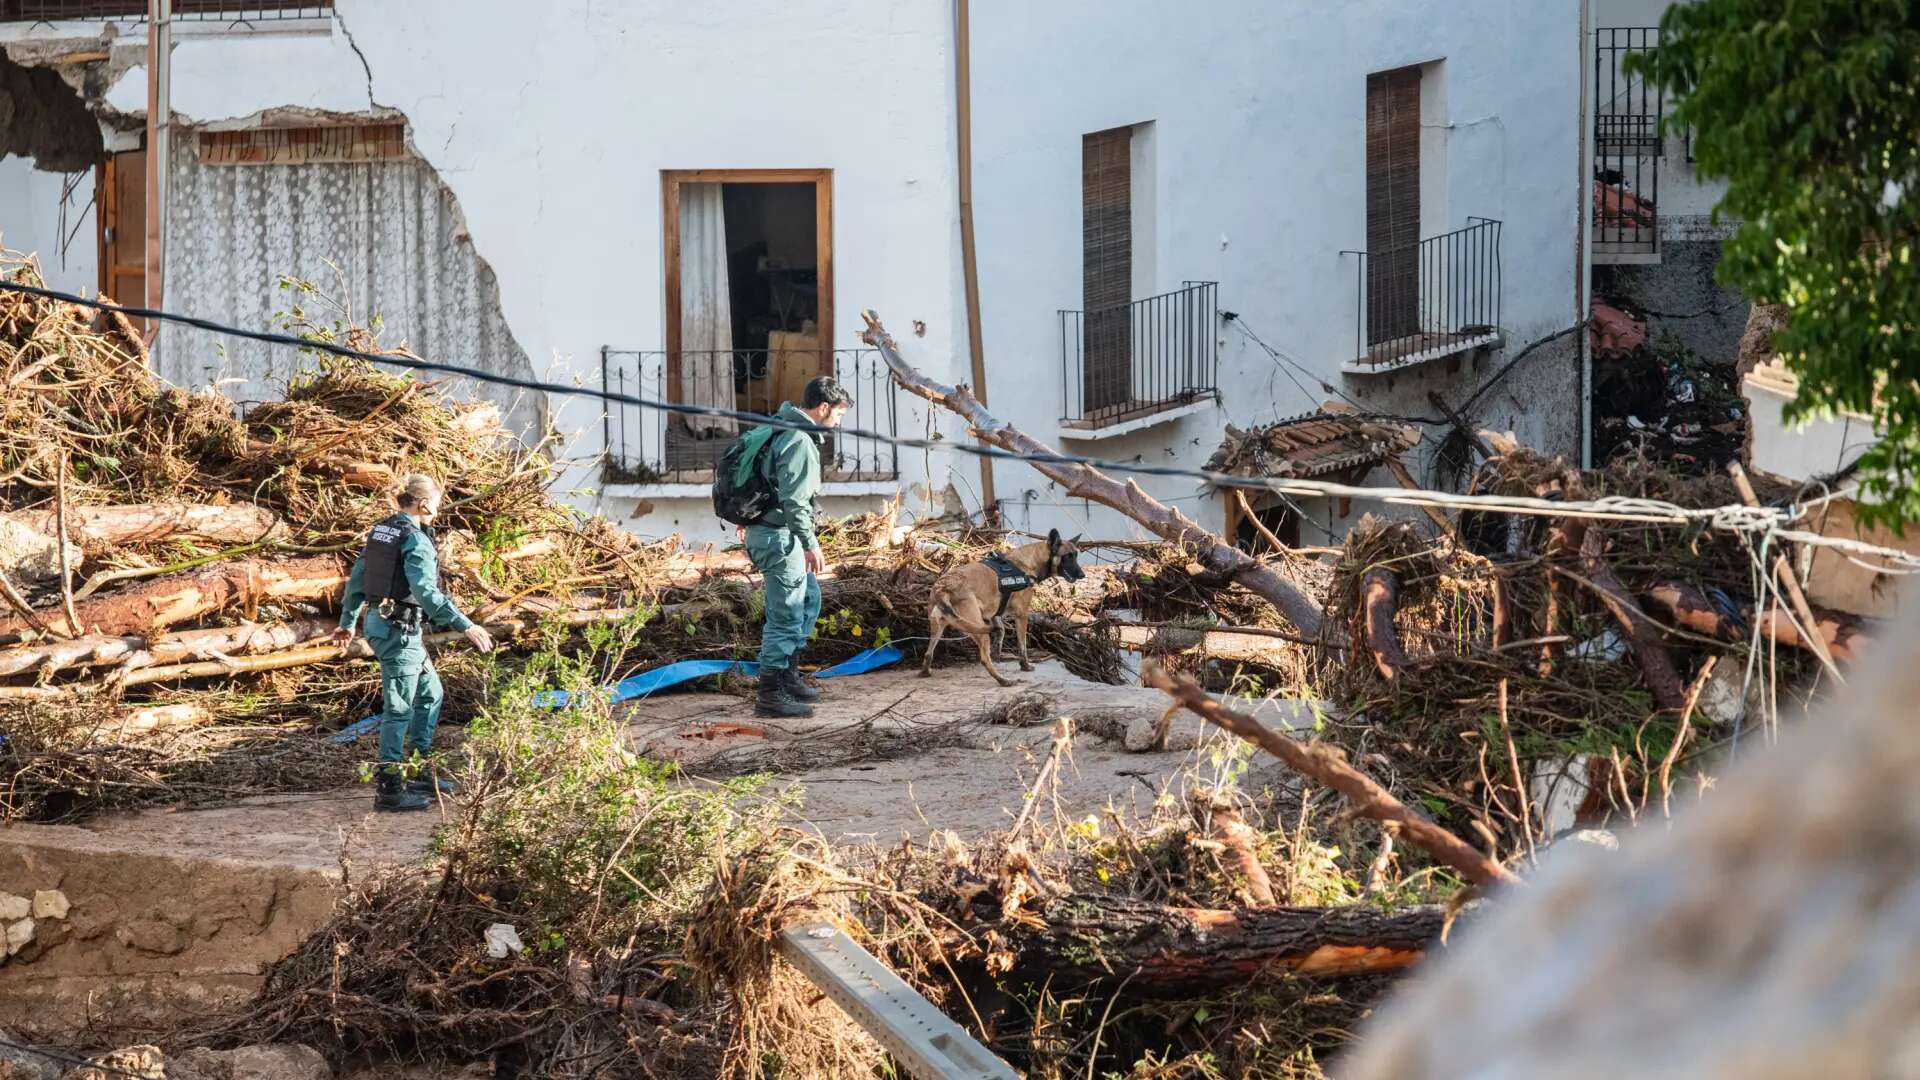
<point x="417" y="489"/>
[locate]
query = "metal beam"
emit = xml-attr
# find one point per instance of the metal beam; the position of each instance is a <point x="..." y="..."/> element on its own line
<point x="924" y="1040"/>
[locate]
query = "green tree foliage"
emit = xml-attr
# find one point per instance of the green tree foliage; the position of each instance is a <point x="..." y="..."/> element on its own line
<point x="1810" y="109"/>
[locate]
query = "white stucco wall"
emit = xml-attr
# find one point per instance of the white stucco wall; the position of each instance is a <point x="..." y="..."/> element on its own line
<point x="552" y="128"/>
<point x="1258" y="131"/>
<point x="30" y="222"/>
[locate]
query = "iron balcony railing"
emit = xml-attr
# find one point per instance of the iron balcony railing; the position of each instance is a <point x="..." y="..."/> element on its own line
<point x="1627" y="146"/>
<point x="231" y="11"/>
<point x="1429" y="299"/>
<point x="649" y="446"/>
<point x="1134" y="360"/>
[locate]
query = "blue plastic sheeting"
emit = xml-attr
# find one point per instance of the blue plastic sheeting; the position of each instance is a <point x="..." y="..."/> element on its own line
<point x="646" y="682"/>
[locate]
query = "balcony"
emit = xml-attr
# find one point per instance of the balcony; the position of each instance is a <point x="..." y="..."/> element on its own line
<point x="1135" y="365"/>
<point x="1427" y="301"/>
<point x="651" y="448"/>
<point x="1627" y="148"/>
<point x="184" y="11"/>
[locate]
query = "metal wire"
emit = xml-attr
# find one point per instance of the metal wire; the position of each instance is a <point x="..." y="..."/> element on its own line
<point x="1733" y="518"/>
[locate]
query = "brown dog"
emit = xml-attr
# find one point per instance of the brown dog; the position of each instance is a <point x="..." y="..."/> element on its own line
<point x="973" y="597"/>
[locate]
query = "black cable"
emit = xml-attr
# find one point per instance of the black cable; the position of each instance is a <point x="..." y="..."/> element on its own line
<point x="415" y="363"/>
<point x="1509" y="365"/>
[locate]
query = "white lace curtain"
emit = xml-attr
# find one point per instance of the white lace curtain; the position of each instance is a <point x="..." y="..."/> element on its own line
<point x="706" y="313"/>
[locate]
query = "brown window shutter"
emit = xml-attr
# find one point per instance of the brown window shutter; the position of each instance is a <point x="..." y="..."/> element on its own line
<point x="1393" y="203"/>
<point x="1106" y="216"/>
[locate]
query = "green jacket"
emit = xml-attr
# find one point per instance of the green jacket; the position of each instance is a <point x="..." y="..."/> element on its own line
<point x="422" y="567"/>
<point x="796" y="476"/>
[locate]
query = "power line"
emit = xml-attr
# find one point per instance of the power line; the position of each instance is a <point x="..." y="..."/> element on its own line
<point x="1736" y="518"/>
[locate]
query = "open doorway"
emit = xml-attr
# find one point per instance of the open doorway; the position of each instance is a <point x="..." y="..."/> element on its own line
<point x="1271" y="515"/>
<point x="749" y="296"/>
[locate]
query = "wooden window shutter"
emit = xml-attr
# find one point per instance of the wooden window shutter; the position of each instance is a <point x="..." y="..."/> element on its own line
<point x="1393" y="203"/>
<point x="1106" y="209"/>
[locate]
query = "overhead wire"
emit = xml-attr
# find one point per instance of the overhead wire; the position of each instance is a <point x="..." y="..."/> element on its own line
<point x="1737" y="518"/>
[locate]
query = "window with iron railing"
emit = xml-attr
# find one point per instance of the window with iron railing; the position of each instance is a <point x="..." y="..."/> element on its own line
<point x="1130" y="361"/>
<point x="245" y="11"/>
<point x="1427" y="300"/>
<point x="651" y="446"/>
<point x="1627" y="145"/>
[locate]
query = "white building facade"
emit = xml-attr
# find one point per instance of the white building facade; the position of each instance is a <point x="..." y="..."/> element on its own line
<point x="1186" y="218"/>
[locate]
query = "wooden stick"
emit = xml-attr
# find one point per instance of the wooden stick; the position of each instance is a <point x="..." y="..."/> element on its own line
<point x="1224" y="826"/>
<point x="60" y="544"/>
<point x="1519" y="780"/>
<point x="1062" y="738"/>
<point x="1246" y="509"/>
<point x="1635" y="624"/>
<point x="1086" y="482"/>
<point x="1405" y="479"/>
<point x="1680" y="736"/>
<point x="1380" y="596"/>
<point x="1789" y="582"/>
<point x="1329" y="766"/>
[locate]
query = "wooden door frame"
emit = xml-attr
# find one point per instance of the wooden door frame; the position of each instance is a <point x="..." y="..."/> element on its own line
<point x="822" y="181"/>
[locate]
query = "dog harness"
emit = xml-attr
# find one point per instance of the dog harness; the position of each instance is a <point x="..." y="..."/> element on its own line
<point x="1012" y="579"/>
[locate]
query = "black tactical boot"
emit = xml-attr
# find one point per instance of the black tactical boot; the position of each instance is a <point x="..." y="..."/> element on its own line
<point x="390" y="792"/>
<point x="430" y="782"/>
<point x="774" y="700"/>
<point x="796" y="687"/>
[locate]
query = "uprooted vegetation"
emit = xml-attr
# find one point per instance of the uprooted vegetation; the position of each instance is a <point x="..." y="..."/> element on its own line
<point x="1516" y="677"/>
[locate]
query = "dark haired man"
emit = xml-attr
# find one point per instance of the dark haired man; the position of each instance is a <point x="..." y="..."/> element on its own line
<point x="786" y="550"/>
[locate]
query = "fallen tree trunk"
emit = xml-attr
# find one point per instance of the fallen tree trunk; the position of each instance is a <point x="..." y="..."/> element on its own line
<point x="298" y="657"/>
<point x="1380" y="594"/>
<point x="1086" y="482"/>
<point x="176" y="598"/>
<point x="1329" y="766"/>
<point x="1240" y="643"/>
<point x="1160" y="951"/>
<point x="135" y="651"/>
<point x="142" y="522"/>
<point x="1690" y="609"/>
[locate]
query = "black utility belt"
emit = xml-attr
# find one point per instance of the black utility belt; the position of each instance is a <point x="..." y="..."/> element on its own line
<point x="402" y="615"/>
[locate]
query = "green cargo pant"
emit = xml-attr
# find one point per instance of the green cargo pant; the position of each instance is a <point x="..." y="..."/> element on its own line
<point x="410" y="692"/>
<point x="793" y="594"/>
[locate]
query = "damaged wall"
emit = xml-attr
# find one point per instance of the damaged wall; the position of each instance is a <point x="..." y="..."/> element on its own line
<point x="49" y="143"/>
<point x="391" y="228"/>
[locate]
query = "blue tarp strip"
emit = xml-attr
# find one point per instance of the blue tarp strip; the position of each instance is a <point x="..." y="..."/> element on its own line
<point x="646" y="682"/>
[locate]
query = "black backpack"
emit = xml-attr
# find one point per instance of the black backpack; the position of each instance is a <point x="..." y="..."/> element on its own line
<point x="742" y="491"/>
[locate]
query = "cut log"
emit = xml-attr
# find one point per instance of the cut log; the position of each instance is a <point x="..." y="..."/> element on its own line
<point x="1086" y="482"/>
<point x="1236" y="644"/>
<point x="1328" y="765"/>
<point x="132" y="651"/>
<point x="176" y="598"/>
<point x="273" y="661"/>
<point x="1160" y="951"/>
<point x="1688" y="608"/>
<point x="144" y="522"/>
<point x="1380" y="595"/>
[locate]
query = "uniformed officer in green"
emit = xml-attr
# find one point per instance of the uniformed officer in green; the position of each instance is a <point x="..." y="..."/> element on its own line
<point x="399" y="574"/>
<point x="786" y="550"/>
